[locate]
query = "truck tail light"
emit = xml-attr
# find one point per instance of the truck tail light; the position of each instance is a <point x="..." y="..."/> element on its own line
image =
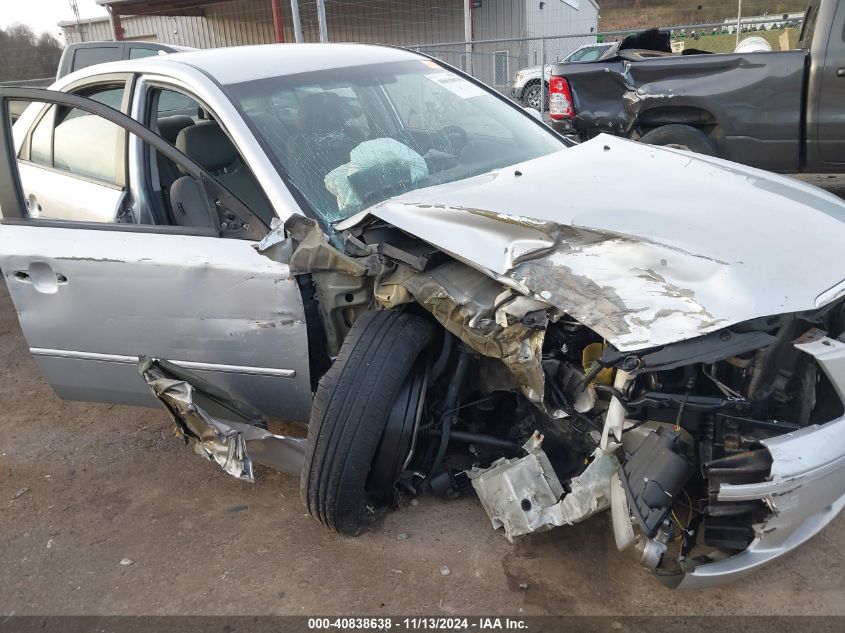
<point x="560" y="99"/>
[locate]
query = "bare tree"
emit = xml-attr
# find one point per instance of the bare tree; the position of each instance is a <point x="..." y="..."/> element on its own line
<point x="25" y="55"/>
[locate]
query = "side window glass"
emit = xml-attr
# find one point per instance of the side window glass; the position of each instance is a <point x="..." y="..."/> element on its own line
<point x="172" y="103"/>
<point x="87" y="145"/>
<point x="138" y="53"/>
<point x="590" y="54"/>
<point x="84" y="179"/>
<point x="184" y="123"/>
<point x="78" y="142"/>
<point x="41" y="142"/>
<point x="83" y="156"/>
<point x="84" y="57"/>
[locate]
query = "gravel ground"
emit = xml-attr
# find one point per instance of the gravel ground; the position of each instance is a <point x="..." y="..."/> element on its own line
<point x="834" y="183"/>
<point x="103" y="511"/>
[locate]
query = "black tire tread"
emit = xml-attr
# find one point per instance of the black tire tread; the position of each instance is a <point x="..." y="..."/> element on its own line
<point x="680" y="134"/>
<point x="350" y="410"/>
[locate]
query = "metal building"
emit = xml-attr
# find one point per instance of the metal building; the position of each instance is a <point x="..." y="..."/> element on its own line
<point x="213" y="23"/>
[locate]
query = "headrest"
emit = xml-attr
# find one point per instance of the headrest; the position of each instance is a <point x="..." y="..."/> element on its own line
<point x="322" y="112"/>
<point x="207" y="144"/>
<point x="170" y="126"/>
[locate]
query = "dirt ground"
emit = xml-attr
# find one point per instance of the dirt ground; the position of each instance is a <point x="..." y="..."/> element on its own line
<point x="84" y="486"/>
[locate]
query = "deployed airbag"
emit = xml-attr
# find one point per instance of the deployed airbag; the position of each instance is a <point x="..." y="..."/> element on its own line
<point x="388" y="166"/>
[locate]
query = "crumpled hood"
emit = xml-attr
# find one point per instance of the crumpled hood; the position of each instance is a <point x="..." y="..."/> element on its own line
<point x="645" y="245"/>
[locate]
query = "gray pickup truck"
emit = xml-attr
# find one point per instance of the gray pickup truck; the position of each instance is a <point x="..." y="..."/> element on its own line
<point x="84" y="54"/>
<point x="782" y="111"/>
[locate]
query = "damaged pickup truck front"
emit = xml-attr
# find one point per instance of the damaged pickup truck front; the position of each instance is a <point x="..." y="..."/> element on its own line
<point x="636" y="345"/>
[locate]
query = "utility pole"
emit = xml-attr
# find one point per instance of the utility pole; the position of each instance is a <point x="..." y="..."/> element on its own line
<point x="738" y="20"/>
<point x="116" y="25"/>
<point x="321" y="17"/>
<point x="468" y="34"/>
<point x="297" y="25"/>
<point x="75" y="10"/>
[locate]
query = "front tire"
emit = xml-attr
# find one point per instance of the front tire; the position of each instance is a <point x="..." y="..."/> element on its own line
<point x="351" y="408"/>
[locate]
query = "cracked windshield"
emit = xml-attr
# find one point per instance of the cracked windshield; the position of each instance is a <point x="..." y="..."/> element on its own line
<point x="348" y="138"/>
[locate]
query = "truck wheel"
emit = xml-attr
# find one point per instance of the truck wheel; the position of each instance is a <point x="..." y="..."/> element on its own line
<point x="531" y="97"/>
<point x="354" y="400"/>
<point x="683" y="137"/>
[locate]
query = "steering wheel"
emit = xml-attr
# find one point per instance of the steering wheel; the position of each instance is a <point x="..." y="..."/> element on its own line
<point x="454" y="138"/>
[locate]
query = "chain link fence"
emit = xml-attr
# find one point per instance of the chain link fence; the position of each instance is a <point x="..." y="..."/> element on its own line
<point x="513" y="65"/>
<point x="510" y="41"/>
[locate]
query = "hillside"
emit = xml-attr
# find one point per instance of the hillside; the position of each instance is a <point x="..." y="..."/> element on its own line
<point x="625" y="14"/>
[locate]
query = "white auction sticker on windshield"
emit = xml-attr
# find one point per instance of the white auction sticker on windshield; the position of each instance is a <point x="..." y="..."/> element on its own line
<point x="456" y="85"/>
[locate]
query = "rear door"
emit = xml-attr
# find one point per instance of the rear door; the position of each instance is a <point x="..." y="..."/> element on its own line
<point x="66" y="175"/>
<point x="94" y="296"/>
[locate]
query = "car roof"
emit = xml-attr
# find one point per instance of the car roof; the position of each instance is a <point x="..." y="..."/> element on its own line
<point x="130" y="43"/>
<point x="246" y="63"/>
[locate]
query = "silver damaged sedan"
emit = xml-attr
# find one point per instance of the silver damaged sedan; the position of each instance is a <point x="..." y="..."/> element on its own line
<point x="452" y="298"/>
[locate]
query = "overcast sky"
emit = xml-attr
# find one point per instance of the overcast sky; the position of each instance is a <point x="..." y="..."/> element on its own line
<point x="42" y="15"/>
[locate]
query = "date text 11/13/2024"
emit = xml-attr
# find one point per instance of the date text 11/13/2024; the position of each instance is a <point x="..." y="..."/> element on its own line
<point x="421" y="623"/>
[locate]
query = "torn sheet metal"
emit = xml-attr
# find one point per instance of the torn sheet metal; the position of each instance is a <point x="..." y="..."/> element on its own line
<point x="523" y="495"/>
<point x="464" y="301"/>
<point x="477" y="308"/>
<point x="804" y="489"/>
<point x="300" y="243"/>
<point x="646" y="256"/>
<point x="233" y="441"/>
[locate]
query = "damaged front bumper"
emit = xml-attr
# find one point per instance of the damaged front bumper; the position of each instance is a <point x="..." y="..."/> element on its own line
<point x="805" y="493"/>
<point x="805" y="490"/>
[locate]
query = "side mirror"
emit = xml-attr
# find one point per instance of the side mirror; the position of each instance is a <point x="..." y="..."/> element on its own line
<point x="535" y="113"/>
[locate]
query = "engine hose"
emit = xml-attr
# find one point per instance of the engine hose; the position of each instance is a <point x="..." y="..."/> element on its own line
<point x="613" y="392"/>
<point x="451" y="405"/>
<point x="562" y="403"/>
<point x="480" y="438"/>
<point x="443" y="358"/>
<point x="591" y="375"/>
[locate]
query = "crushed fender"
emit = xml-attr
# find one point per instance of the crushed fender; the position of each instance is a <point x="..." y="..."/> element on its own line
<point x="300" y="243"/>
<point x="488" y="316"/>
<point x="465" y="302"/>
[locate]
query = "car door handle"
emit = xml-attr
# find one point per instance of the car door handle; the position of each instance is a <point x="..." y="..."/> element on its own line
<point x="840" y="72"/>
<point x="42" y="277"/>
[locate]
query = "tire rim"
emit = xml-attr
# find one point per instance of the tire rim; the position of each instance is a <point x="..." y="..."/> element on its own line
<point x="533" y="99"/>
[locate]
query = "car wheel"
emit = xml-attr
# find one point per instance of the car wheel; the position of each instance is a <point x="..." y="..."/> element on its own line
<point x="683" y="137"/>
<point x="373" y="384"/>
<point x="531" y="97"/>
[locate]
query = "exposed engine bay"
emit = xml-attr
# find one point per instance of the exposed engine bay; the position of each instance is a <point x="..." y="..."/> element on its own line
<point x="547" y="422"/>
